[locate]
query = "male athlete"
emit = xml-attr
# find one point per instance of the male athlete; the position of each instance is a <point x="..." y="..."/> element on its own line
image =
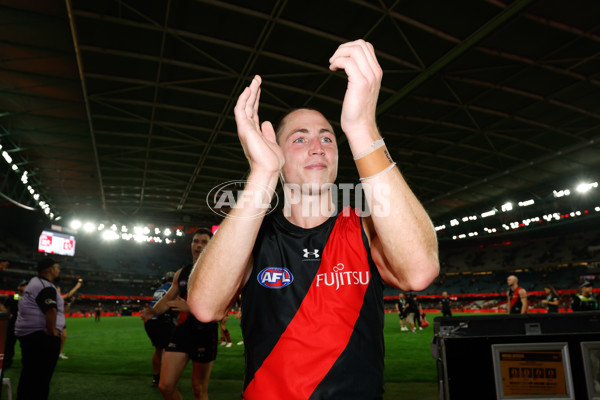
<point x="191" y="339"/>
<point x="516" y="295"/>
<point x="312" y="282"/>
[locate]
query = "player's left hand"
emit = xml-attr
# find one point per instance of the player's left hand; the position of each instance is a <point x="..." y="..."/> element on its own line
<point x="358" y="60"/>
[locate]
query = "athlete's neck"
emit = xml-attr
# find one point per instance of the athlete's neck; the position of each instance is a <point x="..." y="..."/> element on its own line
<point x="308" y="210"/>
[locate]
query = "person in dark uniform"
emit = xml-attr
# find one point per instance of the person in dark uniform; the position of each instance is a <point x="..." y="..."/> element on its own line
<point x="97" y="312"/>
<point x="401" y="310"/>
<point x="191" y="339"/>
<point x="446" y="308"/>
<point x="412" y="312"/>
<point x="160" y="327"/>
<point x="516" y="295"/>
<point x="552" y="299"/>
<point x="312" y="276"/>
<point x="12" y="306"/>
<point x="584" y="300"/>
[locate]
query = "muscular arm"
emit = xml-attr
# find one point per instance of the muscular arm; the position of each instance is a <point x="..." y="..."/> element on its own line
<point x="162" y="305"/>
<point x="554" y="302"/>
<point x="523" y="297"/>
<point x="217" y="277"/>
<point x="74" y="290"/>
<point x="402" y="238"/>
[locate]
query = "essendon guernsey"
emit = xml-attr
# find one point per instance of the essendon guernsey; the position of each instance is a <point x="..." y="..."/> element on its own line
<point x="312" y="313"/>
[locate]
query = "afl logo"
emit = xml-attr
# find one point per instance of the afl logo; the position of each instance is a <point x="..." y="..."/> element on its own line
<point x="223" y="197"/>
<point x="275" y="278"/>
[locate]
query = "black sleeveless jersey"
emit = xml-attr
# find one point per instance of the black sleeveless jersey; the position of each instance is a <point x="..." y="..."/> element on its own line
<point x="182" y="283"/>
<point x="516" y="305"/>
<point x="312" y="313"/>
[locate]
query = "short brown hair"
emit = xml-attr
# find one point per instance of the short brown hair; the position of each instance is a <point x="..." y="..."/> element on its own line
<point x="279" y="125"/>
<point x="203" y="231"/>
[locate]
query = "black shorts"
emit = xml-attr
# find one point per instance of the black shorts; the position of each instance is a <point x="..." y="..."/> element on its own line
<point x="159" y="331"/>
<point x="197" y="340"/>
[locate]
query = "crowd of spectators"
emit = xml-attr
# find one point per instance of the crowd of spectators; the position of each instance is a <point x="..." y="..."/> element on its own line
<point x="124" y="274"/>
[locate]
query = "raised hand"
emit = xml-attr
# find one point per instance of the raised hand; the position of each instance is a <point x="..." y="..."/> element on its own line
<point x="358" y="60"/>
<point x="259" y="141"/>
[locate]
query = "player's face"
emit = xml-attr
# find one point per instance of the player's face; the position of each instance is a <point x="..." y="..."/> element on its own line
<point x="199" y="242"/>
<point x="510" y="280"/>
<point x="586" y="291"/>
<point x="55" y="270"/>
<point x="309" y="148"/>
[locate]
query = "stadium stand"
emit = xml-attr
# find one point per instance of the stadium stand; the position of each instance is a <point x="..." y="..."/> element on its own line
<point x="123" y="274"/>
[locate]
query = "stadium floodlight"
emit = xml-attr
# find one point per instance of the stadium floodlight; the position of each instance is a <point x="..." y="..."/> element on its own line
<point x="7" y="157"/>
<point x="488" y="213"/>
<point x="146" y="230"/>
<point x="561" y="193"/>
<point x="454" y="222"/>
<point x="167" y="232"/>
<point x="36" y="197"/>
<point x="157" y="231"/>
<point x="47" y="211"/>
<point x="107" y="234"/>
<point x="526" y="203"/>
<point x="100" y="227"/>
<point x="14" y="167"/>
<point x="138" y="230"/>
<point x="76" y="224"/>
<point x="123" y="228"/>
<point x="586" y="187"/>
<point x="440" y="227"/>
<point x="507" y="206"/>
<point x="24" y="178"/>
<point x="89" y="227"/>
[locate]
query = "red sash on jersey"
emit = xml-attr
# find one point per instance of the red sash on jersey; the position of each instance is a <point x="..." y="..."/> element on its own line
<point x="324" y="322"/>
<point x="515" y="297"/>
<point x="182" y="317"/>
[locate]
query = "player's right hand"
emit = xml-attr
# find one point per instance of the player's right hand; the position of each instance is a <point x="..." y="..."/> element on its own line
<point x="258" y="141"/>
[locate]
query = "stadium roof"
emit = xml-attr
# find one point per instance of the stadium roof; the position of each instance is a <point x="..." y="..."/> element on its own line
<point x="125" y="108"/>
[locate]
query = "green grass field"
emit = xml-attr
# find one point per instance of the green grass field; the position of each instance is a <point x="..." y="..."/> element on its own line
<point x="111" y="359"/>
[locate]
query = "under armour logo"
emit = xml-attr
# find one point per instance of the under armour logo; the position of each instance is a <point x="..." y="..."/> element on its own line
<point x="314" y="253"/>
